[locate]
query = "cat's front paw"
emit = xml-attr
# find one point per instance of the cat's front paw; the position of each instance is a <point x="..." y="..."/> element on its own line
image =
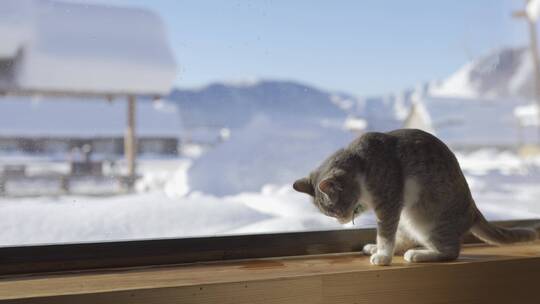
<point x="369" y="249"/>
<point x="380" y="259"/>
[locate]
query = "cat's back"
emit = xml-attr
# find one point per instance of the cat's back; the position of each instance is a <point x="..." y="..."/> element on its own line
<point x="398" y="141"/>
<point x="416" y="150"/>
<point x="422" y="153"/>
<point x="417" y="138"/>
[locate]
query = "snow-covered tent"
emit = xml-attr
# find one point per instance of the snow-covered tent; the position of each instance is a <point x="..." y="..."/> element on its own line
<point x="50" y="46"/>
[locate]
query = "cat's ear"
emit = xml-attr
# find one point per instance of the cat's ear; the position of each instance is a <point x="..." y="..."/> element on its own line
<point x="330" y="186"/>
<point x="304" y="185"/>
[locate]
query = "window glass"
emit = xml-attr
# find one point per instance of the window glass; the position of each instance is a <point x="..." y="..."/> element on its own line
<point x="149" y="119"/>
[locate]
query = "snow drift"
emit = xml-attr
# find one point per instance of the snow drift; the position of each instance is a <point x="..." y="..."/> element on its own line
<point x="265" y="151"/>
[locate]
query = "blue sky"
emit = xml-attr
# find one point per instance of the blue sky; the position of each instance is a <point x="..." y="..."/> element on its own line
<point x="366" y="47"/>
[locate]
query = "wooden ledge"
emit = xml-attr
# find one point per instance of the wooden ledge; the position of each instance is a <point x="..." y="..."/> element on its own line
<point x="483" y="274"/>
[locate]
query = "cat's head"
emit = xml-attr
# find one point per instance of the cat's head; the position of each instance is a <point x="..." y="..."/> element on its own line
<point x="335" y="192"/>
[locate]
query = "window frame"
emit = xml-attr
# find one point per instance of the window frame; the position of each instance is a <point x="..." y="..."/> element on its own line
<point x="37" y="259"/>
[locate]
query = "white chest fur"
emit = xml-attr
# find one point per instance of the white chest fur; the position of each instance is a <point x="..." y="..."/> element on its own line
<point x="410" y="221"/>
<point x="411" y="192"/>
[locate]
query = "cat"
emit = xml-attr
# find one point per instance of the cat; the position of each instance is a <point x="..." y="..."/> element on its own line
<point x="415" y="186"/>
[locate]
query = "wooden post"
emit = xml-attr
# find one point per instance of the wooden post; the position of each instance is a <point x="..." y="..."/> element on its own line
<point x="130" y="141"/>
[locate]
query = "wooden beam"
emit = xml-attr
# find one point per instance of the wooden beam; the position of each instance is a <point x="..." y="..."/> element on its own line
<point x="482" y="274"/>
<point x="130" y="140"/>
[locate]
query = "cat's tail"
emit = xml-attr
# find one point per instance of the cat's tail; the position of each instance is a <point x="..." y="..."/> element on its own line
<point x="495" y="235"/>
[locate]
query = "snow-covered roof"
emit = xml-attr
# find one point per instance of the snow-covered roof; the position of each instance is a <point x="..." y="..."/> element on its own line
<point x="21" y="117"/>
<point x="75" y="47"/>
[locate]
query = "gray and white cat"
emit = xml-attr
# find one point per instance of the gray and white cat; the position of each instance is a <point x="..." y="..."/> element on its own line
<point x="417" y="190"/>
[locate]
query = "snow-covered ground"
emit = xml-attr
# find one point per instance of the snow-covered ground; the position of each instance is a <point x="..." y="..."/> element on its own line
<point x="504" y="186"/>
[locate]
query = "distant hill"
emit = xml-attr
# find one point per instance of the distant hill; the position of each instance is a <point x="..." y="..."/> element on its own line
<point x="233" y="105"/>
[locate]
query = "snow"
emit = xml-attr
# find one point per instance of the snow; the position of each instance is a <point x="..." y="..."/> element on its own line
<point x="265" y="151"/>
<point x="64" y="117"/>
<point x="460" y="122"/>
<point x="103" y="50"/>
<point x="342" y="101"/>
<point x="247" y="143"/>
<point x="501" y="73"/>
<point x="469" y="122"/>
<point x="457" y="85"/>
<point x="504" y="186"/>
<point x="173" y="183"/>
<point x="355" y="124"/>
<point x="527" y="115"/>
<point x="275" y="132"/>
<point x="153" y="215"/>
<point x="382" y="114"/>
<point x="418" y="116"/>
<point x="533" y="9"/>
<point x="242" y="183"/>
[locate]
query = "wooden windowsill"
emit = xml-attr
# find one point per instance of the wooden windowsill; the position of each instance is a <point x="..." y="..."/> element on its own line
<point x="482" y="274"/>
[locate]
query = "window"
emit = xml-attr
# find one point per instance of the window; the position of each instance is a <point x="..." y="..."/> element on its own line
<point x="130" y="120"/>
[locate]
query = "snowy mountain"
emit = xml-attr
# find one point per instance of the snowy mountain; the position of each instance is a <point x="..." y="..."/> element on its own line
<point x="502" y="73"/>
<point x="233" y="105"/>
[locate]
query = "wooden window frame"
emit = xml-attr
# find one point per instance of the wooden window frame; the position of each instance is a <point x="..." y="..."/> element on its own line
<point x="36" y="259"/>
